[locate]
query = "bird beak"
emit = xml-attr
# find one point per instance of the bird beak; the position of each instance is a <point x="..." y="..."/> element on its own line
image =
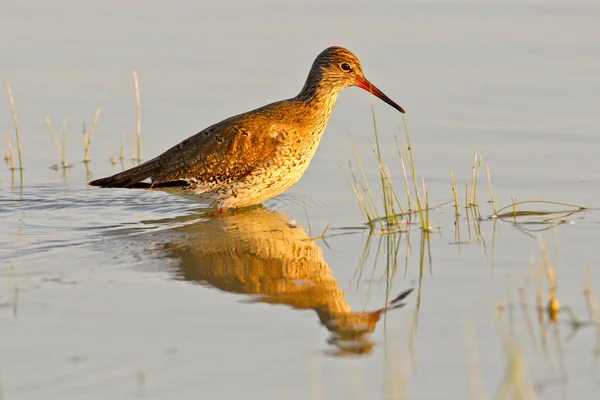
<point x="364" y="83"/>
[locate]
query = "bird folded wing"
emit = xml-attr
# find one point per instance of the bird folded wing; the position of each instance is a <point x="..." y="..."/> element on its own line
<point x="219" y="155"/>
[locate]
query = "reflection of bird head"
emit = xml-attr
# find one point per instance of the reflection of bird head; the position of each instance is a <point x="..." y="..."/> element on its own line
<point x="350" y="332"/>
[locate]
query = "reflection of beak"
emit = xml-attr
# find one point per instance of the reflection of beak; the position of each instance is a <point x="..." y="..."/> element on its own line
<point x="364" y="83"/>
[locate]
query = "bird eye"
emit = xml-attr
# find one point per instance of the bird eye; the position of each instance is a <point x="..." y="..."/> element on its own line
<point x="345" y="67"/>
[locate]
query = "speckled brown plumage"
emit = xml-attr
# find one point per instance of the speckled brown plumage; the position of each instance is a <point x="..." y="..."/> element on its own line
<point x="252" y="157"/>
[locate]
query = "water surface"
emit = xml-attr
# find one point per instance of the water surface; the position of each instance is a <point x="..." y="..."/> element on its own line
<point x="118" y="293"/>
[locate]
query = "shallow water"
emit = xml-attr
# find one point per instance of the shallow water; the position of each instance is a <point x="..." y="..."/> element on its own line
<point x="122" y="293"/>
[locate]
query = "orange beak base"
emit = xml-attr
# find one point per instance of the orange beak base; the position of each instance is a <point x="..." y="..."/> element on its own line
<point x="363" y="83"/>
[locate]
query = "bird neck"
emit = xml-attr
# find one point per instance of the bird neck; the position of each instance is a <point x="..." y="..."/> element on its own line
<point x="318" y="95"/>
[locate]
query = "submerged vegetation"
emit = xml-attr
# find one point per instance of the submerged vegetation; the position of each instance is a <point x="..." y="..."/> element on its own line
<point x="530" y="324"/>
<point x="547" y="344"/>
<point x="87" y="138"/>
<point x="138" y="118"/>
<point x="384" y="211"/>
<point x="61" y="149"/>
<point x="391" y="220"/>
<point x="16" y="124"/>
<point x="388" y="217"/>
<point x="62" y="144"/>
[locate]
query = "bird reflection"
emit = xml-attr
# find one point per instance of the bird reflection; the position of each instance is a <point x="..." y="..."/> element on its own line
<point x="259" y="252"/>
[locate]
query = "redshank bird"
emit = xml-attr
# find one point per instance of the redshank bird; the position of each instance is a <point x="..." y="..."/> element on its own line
<point x="252" y="157"/>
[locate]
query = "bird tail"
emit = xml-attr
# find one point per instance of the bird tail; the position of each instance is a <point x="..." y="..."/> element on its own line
<point x="131" y="178"/>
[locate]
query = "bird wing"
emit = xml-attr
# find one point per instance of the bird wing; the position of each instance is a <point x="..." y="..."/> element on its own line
<point x="220" y="154"/>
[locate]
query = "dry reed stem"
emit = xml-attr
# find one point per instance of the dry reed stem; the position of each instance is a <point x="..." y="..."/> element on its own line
<point x="11" y="158"/>
<point x="122" y="152"/>
<point x="595" y="310"/>
<point x="540" y="294"/>
<point x="138" y="117"/>
<point x="516" y="384"/>
<point x="357" y="192"/>
<point x="588" y="277"/>
<point x="64" y="144"/>
<point x="477" y="171"/>
<point x="87" y="140"/>
<point x="467" y="199"/>
<point x="411" y="160"/>
<point x="553" y="306"/>
<point x="468" y="217"/>
<point x="457" y="239"/>
<point x="372" y="206"/>
<point x="454" y="192"/>
<point x="523" y="291"/>
<point x="473" y="185"/>
<point x="396" y="378"/>
<point x="56" y="141"/>
<point x="388" y="207"/>
<point x="406" y="185"/>
<point x="389" y="182"/>
<point x="16" y="124"/>
<point x="427" y="227"/>
<point x="133" y="146"/>
<point x="390" y="199"/>
<point x="492" y="199"/>
<point x="476" y="380"/>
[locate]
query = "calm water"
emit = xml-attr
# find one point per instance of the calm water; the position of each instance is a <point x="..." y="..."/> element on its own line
<point x="135" y="294"/>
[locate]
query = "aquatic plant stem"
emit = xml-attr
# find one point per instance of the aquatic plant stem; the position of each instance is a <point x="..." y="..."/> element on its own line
<point x="88" y="140"/>
<point x="138" y="117"/>
<point x="14" y="114"/>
